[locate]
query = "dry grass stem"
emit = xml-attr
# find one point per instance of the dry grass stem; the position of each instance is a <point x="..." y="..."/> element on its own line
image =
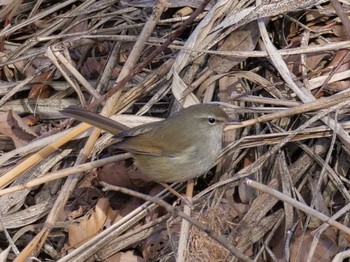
<point x="281" y="68"/>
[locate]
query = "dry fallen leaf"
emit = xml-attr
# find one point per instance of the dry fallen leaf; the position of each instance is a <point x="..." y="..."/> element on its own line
<point x="88" y="227"/>
<point x="41" y="89"/>
<point x="12" y="125"/>
<point x="241" y="40"/>
<point x="325" y="250"/>
<point x="115" y="174"/>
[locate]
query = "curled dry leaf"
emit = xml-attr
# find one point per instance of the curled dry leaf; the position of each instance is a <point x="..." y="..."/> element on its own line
<point x="244" y="39"/>
<point x="92" y="68"/>
<point x="84" y="198"/>
<point x="12" y="125"/>
<point x="88" y="227"/>
<point x="41" y="89"/>
<point x="325" y="250"/>
<point x="30" y="120"/>
<point x="115" y="174"/>
<point x="120" y="175"/>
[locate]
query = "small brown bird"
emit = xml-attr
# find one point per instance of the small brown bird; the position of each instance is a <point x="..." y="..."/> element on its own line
<point x="178" y="149"/>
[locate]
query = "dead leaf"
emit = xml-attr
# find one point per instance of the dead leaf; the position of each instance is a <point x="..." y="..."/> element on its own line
<point x="12" y="125"/>
<point x="88" y="227"/>
<point x="325" y="250"/>
<point x="41" y="89"/>
<point x="30" y="120"/>
<point x="244" y="39"/>
<point x="92" y="67"/>
<point x="115" y="174"/>
<point x="129" y="206"/>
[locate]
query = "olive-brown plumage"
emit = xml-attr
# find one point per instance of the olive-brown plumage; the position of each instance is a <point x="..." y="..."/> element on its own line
<point x="182" y="147"/>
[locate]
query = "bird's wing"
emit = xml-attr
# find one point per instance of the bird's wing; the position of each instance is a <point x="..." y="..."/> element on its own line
<point x="147" y="144"/>
<point x="137" y="130"/>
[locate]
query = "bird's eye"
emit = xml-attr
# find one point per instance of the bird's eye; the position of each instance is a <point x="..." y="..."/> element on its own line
<point x="211" y="120"/>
